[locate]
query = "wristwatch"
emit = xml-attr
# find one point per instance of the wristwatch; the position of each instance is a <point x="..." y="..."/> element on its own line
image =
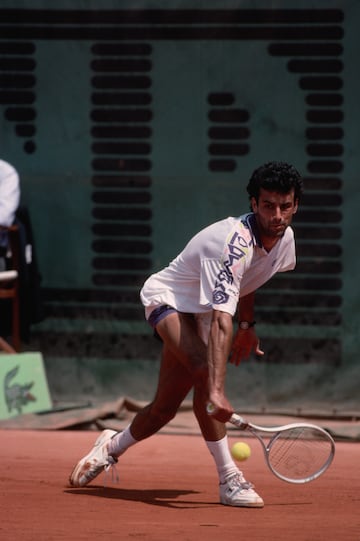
<point x="245" y="325"/>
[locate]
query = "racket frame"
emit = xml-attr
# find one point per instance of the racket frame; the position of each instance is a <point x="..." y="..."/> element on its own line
<point x="275" y="432"/>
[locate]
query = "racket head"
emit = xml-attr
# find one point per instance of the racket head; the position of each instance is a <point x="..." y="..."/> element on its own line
<point x="300" y="453"/>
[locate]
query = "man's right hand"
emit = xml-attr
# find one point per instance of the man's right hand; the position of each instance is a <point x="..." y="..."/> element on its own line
<point x="220" y="408"/>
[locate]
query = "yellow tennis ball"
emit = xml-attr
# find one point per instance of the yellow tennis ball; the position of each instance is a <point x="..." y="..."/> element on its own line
<point x="240" y="451"/>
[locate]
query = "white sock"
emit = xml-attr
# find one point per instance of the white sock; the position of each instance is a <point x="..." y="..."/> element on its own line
<point x="120" y="442"/>
<point x="222" y="456"/>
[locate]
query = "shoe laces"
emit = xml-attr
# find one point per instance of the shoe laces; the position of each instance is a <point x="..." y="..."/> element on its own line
<point x="238" y="481"/>
<point x="111" y="466"/>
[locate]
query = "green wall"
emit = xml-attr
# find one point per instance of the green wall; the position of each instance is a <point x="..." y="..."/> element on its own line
<point x="133" y="125"/>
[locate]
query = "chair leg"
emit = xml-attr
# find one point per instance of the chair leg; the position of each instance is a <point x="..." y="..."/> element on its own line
<point x="4" y="346"/>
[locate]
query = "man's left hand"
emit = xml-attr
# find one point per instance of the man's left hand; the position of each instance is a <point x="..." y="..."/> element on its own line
<point x="245" y="343"/>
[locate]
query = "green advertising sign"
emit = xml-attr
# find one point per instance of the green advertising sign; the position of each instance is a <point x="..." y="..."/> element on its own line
<point x="24" y="387"/>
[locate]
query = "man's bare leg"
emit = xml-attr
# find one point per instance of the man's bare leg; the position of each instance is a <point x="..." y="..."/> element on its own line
<point x="183" y="366"/>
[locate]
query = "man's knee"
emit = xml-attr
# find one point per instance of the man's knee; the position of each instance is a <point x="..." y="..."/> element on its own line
<point x="200" y="373"/>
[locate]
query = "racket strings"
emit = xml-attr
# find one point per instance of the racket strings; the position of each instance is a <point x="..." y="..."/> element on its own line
<point x="299" y="453"/>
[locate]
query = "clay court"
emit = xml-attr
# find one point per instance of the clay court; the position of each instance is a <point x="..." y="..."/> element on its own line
<point x="167" y="491"/>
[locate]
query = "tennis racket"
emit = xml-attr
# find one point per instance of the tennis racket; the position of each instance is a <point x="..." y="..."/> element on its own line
<point x="296" y="453"/>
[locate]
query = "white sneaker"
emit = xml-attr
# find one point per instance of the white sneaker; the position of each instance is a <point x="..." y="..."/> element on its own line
<point x="236" y="491"/>
<point x="96" y="461"/>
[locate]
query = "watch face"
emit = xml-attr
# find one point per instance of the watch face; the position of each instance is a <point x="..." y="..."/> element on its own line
<point x="244" y="325"/>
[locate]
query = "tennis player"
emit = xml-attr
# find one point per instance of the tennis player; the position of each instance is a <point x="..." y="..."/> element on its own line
<point x="191" y="305"/>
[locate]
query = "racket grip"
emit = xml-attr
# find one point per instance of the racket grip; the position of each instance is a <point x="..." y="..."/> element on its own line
<point x="235" y="419"/>
<point x="238" y="421"/>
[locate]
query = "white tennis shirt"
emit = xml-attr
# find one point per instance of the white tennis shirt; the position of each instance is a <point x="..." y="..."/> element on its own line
<point x="9" y="193"/>
<point x="9" y="197"/>
<point x="221" y="263"/>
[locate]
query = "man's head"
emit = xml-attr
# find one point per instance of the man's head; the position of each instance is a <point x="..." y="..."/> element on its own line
<point x="274" y="190"/>
<point x="277" y="177"/>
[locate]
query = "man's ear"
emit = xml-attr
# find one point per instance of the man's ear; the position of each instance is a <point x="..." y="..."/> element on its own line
<point x="296" y="206"/>
<point x="253" y="204"/>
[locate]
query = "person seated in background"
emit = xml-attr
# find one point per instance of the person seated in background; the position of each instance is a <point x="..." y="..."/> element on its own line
<point x="9" y="202"/>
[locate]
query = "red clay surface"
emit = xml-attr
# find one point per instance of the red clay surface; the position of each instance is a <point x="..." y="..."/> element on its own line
<point x="167" y="491"/>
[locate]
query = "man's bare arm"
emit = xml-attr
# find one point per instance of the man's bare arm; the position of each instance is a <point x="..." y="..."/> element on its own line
<point x="245" y="340"/>
<point x="219" y="346"/>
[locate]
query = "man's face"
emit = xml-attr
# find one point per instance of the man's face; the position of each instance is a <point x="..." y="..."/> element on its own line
<point x="274" y="212"/>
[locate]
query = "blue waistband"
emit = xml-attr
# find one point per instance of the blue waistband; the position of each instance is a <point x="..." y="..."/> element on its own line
<point x="159" y="313"/>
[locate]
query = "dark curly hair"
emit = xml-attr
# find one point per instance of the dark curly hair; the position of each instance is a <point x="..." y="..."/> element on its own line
<point x="277" y="177"/>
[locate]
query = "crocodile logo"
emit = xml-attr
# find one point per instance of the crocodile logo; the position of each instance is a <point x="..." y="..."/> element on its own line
<point x="17" y="395"/>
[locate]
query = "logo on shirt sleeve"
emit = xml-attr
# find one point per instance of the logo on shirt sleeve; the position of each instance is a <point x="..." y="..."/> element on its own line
<point x="236" y="249"/>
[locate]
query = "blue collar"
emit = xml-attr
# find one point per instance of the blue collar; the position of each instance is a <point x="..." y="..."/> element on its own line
<point x="249" y="220"/>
